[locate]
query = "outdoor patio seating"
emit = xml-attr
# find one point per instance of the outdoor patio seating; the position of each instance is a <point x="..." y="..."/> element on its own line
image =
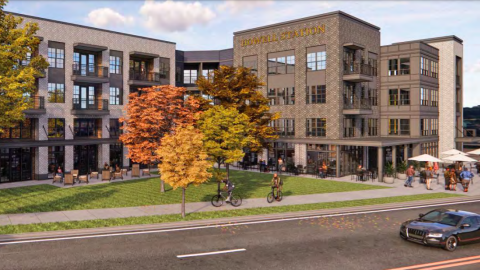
<point x="68" y="180"/>
<point x="135" y="170"/>
<point x="106" y="175"/>
<point x="83" y="178"/>
<point x="146" y="172"/>
<point x="57" y="178"/>
<point x="300" y="169"/>
<point x="117" y="175"/>
<point x="75" y="175"/>
<point x="94" y="174"/>
<point x="124" y="172"/>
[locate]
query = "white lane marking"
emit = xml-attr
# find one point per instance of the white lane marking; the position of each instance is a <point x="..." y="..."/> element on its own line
<point x="210" y="253"/>
<point x="229" y="224"/>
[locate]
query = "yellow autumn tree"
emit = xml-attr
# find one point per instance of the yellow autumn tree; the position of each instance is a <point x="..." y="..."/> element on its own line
<point x="183" y="160"/>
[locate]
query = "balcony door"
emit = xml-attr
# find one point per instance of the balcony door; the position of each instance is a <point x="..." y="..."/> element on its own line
<point x="85" y="158"/>
<point x="84" y="63"/>
<point x="84" y="97"/>
<point x="139" y="69"/>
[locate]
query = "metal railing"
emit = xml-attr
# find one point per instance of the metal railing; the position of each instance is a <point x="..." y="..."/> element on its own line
<point x="90" y="104"/>
<point x="358" y="68"/>
<point x="144" y="76"/>
<point x="349" y="132"/>
<point x="357" y="103"/>
<point x="36" y="102"/>
<point x="90" y="70"/>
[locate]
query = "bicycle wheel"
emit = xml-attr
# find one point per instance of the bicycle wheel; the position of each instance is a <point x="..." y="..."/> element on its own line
<point x="217" y="200"/>
<point x="270" y="197"/>
<point x="279" y="196"/>
<point x="236" y="200"/>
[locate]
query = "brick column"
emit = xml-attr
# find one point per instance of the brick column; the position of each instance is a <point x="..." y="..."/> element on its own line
<point x="380" y="163"/>
<point x="300" y="154"/>
<point x="42" y="163"/>
<point x="103" y="155"/>
<point x="68" y="158"/>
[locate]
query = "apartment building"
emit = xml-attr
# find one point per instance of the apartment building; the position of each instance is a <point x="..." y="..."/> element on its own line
<point x="74" y="120"/>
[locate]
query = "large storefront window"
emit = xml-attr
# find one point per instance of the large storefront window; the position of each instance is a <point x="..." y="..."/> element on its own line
<point x="56" y="158"/>
<point x="16" y="164"/>
<point x="319" y="154"/>
<point x="87" y="127"/>
<point x="350" y="158"/>
<point x="285" y="151"/>
<point x="116" y="155"/>
<point x="23" y="130"/>
<point x="85" y="158"/>
<point x="56" y="128"/>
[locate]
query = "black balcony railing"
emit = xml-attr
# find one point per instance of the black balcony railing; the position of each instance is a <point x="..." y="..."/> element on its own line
<point x="90" y="104"/>
<point x="357" y="103"/>
<point x="358" y="68"/>
<point x="349" y="132"/>
<point x="36" y="102"/>
<point x="144" y="76"/>
<point x="90" y="70"/>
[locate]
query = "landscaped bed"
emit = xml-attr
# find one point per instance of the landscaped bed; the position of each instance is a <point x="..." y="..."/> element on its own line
<point x="39" y="227"/>
<point x="142" y="192"/>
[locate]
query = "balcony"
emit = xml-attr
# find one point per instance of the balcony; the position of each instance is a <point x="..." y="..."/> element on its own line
<point x="349" y="132"/>
<point x="81" y="106"/>
<point x="458" y="81"/>
<point x="37" y="105"/>
<point x="89" y="73"/>
<point x="143" y="78"/>
<point x="357" y="106"/>
<point x="358" y="72"/>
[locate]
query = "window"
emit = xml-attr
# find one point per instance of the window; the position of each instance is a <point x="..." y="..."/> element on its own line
<point x="22" y="130"/>
<point x="372" y="127"/>
<point x="115" y="65"/>
<point x="373" y="96"/>
<point x="392" y="126"/>
<point x="404" y="126"/>
<point x="56" y="128"/>
<point x="349" y="127"/>
<point x="424" y="97"/>
<point x="251" y="63"/>
<point x="434" y="97"/>
<point x="56" y="93"/>
<point x="164" y="68"/>
<point x="284" y="127"/>
<point x="393" y="97"/>
<point x="282" y="96"/>
<point x="430" y="148"/>
<point x="424" y="64"/>
<point x="316" y="94"/>
<point x="114" y="129"/>
<point x="115" y="96"/>
<point x="393" y="67"/>
<point x="424" y="127"/>
<point x="404" y="66"/>
<point x="317" y="127"/>
<point x="316" y="61"/>
<point x="281" y="65"/>
<point x="56" y="57"/>
<point x="434" y="69"/>
<point x="190" y="76"/>
<point x="434" y="126"/>
<point x="208" y="73"/>
<point x="28" y="57"/>
<point x="404" y="97"/>
<point x="86" y="127"/>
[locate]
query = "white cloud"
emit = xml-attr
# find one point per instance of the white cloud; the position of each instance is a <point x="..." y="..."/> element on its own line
<point x="241" y="5"/>
<point x="174" y="16"/>
<point x="104" y="17"/>
<point x="475" y="68"/>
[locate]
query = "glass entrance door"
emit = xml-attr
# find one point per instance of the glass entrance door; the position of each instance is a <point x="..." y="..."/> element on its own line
<point x="84" y="97"/>
<point x="16" y="164"/>
<point x="85" y="158"/>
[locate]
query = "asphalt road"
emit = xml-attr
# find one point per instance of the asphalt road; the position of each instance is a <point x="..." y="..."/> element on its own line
<point x="368" y="241"/>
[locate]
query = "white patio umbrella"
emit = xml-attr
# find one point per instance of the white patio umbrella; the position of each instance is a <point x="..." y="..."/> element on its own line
<point x="425" y="157"/>
<point x="459" y="157"/>
<point x="475" y="152"/>
<point x="452" y="152"/>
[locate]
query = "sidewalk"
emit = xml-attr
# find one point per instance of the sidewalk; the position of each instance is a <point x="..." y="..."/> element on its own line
<point x="397" y="190"/>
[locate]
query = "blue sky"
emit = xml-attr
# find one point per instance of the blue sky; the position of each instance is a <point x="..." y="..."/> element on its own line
<point x="205" y="25"/>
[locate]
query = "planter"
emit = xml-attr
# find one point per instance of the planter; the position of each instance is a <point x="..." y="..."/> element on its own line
<point x="388" y="180"/>
<point x="402" y="176"/>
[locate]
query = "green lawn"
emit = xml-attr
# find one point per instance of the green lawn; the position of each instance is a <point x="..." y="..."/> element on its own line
<point x="46" y="198"/>
<point x="13" y="229"/>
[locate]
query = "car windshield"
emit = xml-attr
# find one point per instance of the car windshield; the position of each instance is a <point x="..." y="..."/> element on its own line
<point x="442" y="218"/>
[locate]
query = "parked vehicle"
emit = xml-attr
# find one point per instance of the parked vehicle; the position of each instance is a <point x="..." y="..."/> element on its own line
<point x="443" y="228"/>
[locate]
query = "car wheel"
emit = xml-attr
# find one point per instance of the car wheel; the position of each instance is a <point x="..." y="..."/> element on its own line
<point x="403" y="236"/>
<point x="451" y="243"/>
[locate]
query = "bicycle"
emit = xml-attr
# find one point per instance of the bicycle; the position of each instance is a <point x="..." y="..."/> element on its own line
<point x="217" y="200"/>
<point x="271" y="196"/>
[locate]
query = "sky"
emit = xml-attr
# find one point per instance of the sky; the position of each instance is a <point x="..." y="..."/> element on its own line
<point x="209" y="25"/>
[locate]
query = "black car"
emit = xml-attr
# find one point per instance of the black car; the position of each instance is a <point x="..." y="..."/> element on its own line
<point x="443" y="228"/>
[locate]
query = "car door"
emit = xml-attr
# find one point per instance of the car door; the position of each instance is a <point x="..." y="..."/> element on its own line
<point x="471" y="233"/>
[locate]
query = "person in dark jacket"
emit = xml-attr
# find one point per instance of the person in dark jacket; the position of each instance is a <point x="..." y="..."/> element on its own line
<point x="447" y="179"/>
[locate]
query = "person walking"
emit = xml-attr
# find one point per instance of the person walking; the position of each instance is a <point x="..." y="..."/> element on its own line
<point x="453" y="180"/>
<point x="446" y="175"/>
<point x="466" y="177"/>
<point x="410" y="173"/>
<point x="428" y="177"/>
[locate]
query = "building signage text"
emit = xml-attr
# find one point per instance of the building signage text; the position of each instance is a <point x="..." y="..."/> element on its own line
<point x="309" y="31"/>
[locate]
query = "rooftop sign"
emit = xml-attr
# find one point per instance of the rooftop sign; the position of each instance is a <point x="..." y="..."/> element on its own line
<point x="304" y="32"/>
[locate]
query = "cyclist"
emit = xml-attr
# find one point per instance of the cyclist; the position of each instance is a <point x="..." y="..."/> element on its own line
<point x="229" y="186"/>
<point x="276" y="183"/>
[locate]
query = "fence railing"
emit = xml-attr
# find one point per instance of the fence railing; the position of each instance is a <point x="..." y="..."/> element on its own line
<point x="90" y="70"/>
<point x="90" y="104"/>
<point x="144" y="76"/>
<point x="357" y="103"/>
<point x="36" y="102"/>
<point x="358" y="68"/>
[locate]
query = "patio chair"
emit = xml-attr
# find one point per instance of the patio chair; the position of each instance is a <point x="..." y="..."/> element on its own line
<point x="75" y="175"/>
<point x="93" y="174"/>
<point x="146" y="171"/>
<point x="135" y="170"/>
<point x="118" y="175"/>
<point x="124" y="172"/>
<point x="300" y="169"/>
<point x="57" y="178"/>
<point x="106" y="175"/>
<point x="68" y="180"/>
<point x="83" y="178"/>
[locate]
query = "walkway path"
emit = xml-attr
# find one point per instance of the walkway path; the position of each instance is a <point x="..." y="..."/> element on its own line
<point x="396" y="190"/>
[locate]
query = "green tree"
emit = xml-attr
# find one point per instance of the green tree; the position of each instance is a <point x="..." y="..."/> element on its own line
<point x="226" y="133"/>
<point x="238" y="87"/>
<point x="17" y="74"/>
<point x="183" y="160"/>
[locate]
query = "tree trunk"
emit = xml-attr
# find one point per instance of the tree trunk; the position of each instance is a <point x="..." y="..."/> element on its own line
<point x="183" y="202"/>
<point x="218" y="180"/>
<point x="227" y="166"/>
<point x="162" y="186"/>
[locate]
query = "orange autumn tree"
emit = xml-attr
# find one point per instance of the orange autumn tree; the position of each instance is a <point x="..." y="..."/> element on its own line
<point x="150" y="116"/>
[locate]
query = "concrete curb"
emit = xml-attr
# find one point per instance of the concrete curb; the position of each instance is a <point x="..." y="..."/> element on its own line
<point x="229" y="221"/>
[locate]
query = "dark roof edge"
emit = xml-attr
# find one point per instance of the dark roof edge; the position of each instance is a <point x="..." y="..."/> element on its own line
<point x="88" y="27"/>
<point x="428" y="40"/>
<point x="413" y="41"/>
<point x="338" y="12"/>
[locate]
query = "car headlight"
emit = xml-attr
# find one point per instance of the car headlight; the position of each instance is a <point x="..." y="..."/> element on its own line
<point x="435" y="235"/>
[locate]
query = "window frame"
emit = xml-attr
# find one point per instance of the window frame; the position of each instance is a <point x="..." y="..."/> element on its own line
<point x="117" y="98"/>
<point x="56" y="57"/>
<point x="115" y="66"/>
<point x="316" y="94"/>
<point x="316" y="61"/>
<point x="57" y="90"/>
<point x="55" y="132"/>
<point x="316" y="127"/>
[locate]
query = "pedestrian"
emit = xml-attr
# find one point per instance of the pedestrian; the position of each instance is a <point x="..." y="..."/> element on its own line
<point x="478" y="167"/>
<point x="410" y="173"/>
<point x="360" y="172"/>
<point x="428" y="177"/>
<point x="59" y="171"/>
<point x="435" y="167"/>
<point x="466" y="177"/>
<point x="453" y="180"/>
<point x="446" y="175"/>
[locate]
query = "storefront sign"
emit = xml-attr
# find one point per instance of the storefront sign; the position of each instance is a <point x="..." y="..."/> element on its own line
<point x="304" y="32"/>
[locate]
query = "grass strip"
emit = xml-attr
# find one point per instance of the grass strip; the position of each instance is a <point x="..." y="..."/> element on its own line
<point x="99" y="223"/>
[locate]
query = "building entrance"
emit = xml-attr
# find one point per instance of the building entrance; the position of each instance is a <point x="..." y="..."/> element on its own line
<point x="16" y="164"/>
<point x="85" y="158"/>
